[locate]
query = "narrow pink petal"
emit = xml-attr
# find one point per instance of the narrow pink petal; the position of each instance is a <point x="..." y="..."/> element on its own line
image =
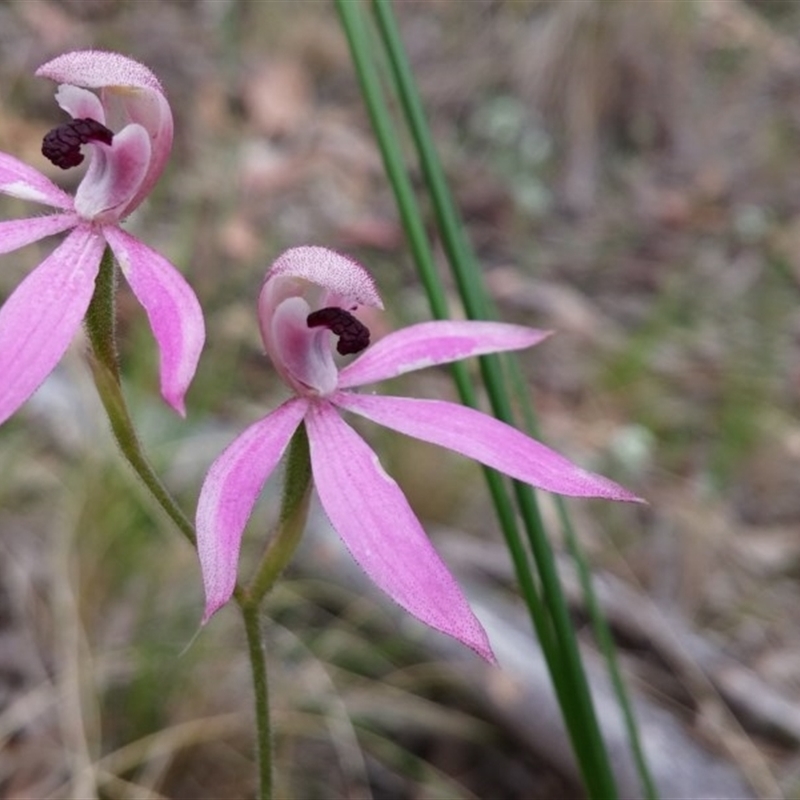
<point x="114" y="176"/>
<point x="172" y="308"/>
<point x="40" y="318"/>
<point x="431" y="343"/>
<point x="19" y="180"/>
<point x="229" y="493"/>
<point x="371" y="514"/>
<point x="19" y="232"/>
<point x="485" y="439"/>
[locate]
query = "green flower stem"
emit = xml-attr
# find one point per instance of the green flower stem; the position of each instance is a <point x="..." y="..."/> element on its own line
<point x="258" y="666"/>
<point x="292" y="520"/>
<point x="101" y="329"/>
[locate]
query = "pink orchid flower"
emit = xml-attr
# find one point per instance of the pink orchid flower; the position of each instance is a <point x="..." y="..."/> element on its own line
<point x="307" y="299"/>
<point x="127" y="131"/>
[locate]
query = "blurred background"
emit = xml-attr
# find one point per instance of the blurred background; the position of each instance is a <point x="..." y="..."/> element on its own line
<point x="629" y="175"/>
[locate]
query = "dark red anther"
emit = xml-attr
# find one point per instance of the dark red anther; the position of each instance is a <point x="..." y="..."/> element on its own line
<point x="62" y="145"/>
<point x="353" y="335"/>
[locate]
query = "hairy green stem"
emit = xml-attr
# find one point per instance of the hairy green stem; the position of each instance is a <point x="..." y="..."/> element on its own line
<point x="258" y="667"/>
<point x="101" y="329"/>
<point x="291" y="524"/>
<point x="292" y="520"/>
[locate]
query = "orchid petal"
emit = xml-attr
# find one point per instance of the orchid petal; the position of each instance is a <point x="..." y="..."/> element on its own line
<point x="229" y="493"/>
<point x="301" y="354"/>
<point x="80" y="103"/>
<point x="371" y="514"/>
<point x="40" y="318"/>
<point x="114" y="176"/>
<point x="175" y="315"/>
<point x="484" y="439"/>
<point x="19" y="232"/>
<point x="152" y="112"/>
<point x="432" y="343"/>
<point x="19" y="180"/>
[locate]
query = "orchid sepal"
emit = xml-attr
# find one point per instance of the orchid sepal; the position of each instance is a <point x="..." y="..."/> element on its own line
<point x="370" y="512"/>
<point x="59" y="297"/>
<point x="17" y="233"/>
<point x="17" y="179"/>
<point x="229" y="493"/>
<point x="173" y="310"/>
<point x="429" y="344"/>
<point x="484" y="439"/>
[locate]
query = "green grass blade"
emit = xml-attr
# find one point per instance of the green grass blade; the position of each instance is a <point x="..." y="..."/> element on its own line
<point x="351" y="17"/>
<point x="600" y="627"/>
<point x="573" y="702"/>
<point x="468" y="278"/>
